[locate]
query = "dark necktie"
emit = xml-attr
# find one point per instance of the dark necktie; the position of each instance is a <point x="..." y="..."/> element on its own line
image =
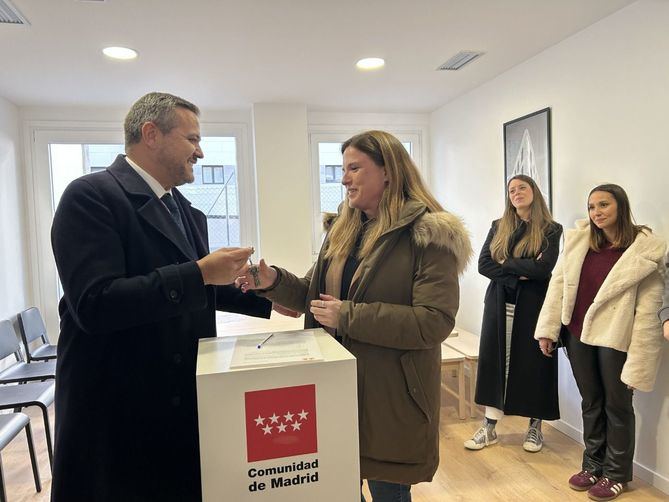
<point x="171" y="204"/>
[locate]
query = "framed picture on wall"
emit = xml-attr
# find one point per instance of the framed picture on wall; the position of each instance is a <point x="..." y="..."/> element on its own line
<point x="527" y="150"/>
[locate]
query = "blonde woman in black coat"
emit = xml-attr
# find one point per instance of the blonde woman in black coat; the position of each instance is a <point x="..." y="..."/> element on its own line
<point x="518" y="256"/>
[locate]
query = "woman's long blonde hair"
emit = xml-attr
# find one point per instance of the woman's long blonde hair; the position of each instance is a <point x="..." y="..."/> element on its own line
<point x="404" y="183"/>
<point x="531" y="243"/>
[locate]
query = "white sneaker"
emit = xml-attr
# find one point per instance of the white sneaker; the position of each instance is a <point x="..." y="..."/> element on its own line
<point x="483" y="437"/>
<point x="534" y="440"/>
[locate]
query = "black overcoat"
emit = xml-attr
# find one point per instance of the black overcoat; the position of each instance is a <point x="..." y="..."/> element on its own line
<point x="133" y="309"/>
<point x="531" y="389"/>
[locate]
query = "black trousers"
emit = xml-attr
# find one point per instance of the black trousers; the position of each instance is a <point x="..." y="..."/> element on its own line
<point x="608" y="414"/>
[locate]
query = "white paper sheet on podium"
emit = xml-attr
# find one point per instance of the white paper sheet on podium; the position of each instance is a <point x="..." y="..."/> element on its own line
<point x="281" y="348"/>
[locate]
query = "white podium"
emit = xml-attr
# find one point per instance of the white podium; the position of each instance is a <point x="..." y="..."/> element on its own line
<point x="276" y="429"/>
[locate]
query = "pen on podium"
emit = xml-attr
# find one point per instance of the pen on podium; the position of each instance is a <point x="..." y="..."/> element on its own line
<point x="265" y="340"/>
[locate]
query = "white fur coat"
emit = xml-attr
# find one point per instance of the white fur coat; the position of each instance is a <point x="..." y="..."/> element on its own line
<point x="623" y="315"/>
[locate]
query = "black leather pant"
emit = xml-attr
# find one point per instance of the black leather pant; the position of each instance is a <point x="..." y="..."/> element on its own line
<point x="608" y="414"/>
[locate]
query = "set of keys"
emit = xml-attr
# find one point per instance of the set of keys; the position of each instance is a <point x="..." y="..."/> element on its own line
<point x="253" y="269"/>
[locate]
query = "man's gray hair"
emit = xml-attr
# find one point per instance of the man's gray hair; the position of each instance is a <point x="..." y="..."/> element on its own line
<point x="156" y="107"/>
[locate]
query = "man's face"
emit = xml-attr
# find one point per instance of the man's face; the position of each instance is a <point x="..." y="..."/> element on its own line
<point x="179" y="149"/>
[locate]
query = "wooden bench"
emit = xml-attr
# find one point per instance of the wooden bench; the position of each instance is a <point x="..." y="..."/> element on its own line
<point x="454" y="360"/>
<point x="467" y="344"/>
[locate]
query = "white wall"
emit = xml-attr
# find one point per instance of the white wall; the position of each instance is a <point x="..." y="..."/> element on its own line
<point x="14" y="291"/>
<point x="607" y="87"/>
<point x="283" y="181"/>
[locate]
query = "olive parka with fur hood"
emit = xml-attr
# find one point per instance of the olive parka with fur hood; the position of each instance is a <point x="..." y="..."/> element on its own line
<point x="402" y="304"/>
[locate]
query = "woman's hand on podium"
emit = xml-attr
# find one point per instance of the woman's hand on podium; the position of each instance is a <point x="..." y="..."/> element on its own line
<point x="258" y="276"/>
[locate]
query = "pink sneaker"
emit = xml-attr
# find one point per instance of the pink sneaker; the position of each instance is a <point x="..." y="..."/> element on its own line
<point x="606" y="489"/>
<point x="582" y="481"/>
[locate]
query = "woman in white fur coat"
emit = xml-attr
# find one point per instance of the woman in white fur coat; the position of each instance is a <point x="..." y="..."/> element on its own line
<point x="603" y="301"/>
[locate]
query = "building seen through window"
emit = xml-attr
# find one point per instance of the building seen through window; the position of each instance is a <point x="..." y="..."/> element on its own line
<point x="214" y="190"/>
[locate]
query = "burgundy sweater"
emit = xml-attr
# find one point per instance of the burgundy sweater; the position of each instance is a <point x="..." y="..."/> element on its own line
<point x="596" y="267"/>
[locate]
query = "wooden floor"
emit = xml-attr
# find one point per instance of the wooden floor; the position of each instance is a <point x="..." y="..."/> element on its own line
<point x="503" y="472"/>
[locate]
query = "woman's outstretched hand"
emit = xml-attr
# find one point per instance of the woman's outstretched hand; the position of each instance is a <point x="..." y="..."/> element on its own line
<point x="258" y="276"/>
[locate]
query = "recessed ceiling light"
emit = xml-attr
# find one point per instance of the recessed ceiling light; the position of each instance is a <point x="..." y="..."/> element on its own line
<point x="370" y="63"/>
<point x="119" y="52"/>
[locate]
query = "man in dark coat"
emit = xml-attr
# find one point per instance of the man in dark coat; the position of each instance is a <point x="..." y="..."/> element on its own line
<point x="140" y="289"/>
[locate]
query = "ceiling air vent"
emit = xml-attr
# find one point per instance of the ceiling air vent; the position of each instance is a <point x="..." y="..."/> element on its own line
<point x="459" y="60"/>
<point x="10" y="14"/>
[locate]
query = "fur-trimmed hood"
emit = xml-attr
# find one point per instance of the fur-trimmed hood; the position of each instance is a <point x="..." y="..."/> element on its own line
<point x="445" y="230"/>
<point x="328" y="220"/>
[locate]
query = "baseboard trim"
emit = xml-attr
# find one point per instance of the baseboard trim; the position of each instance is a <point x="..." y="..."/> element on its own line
<point x="651" y="477"/>
<point x="648" y="475"/>
<point x="565" y="428"/>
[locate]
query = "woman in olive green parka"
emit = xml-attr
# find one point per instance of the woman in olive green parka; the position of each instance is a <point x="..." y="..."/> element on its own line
<point x="386" y="285"/>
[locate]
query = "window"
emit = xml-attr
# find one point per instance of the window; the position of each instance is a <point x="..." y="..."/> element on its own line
<point x="69" y="161"/>
<point x="213" y="175"/>
<point x="214" y="191"/>
<point x="332" y="174"/>
<point x="328" y="192"/>
<point x="331" y="191"/>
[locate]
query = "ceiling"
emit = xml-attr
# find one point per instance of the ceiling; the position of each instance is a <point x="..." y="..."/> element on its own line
<point x="223" y="54"/>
